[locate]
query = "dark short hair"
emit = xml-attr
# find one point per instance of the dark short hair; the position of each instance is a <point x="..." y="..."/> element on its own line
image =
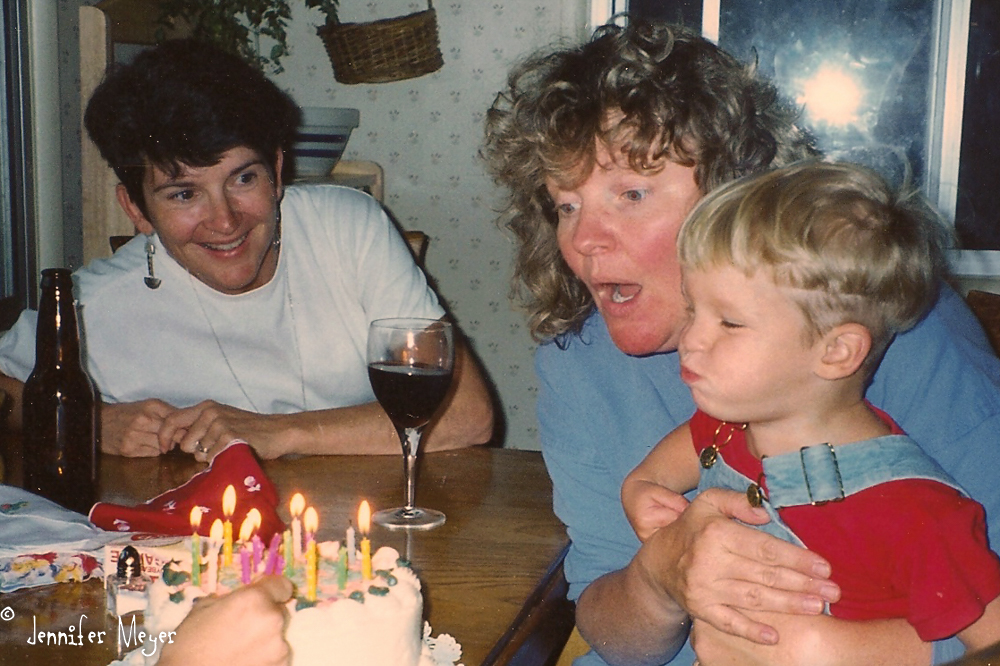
<point x="186" y="102"/>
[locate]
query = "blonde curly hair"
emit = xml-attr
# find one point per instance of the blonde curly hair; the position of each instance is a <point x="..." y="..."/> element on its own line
<point x="847" y="247"/>
<point x="651" y="91"/>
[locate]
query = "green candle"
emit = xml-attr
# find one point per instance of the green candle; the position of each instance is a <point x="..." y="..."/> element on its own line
<point x="289" y="555"/>
<point x="342" y="568"/>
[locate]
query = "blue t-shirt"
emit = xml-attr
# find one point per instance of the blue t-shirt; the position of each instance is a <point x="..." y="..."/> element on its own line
<point x="601" y="411"/>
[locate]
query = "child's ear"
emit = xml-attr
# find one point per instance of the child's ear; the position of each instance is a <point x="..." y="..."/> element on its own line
<point x="844" y="349"/>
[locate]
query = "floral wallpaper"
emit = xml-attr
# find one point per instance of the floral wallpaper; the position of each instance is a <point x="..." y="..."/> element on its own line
<point x="426" y="133"/>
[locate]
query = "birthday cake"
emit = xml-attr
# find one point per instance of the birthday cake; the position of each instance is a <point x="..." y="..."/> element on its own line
<point x="354" y="620"/>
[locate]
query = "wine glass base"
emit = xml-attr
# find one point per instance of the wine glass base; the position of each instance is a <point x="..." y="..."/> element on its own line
<point x="415" y="518"/>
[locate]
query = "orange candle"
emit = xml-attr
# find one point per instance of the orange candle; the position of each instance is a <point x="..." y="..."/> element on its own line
<point x="228" y="509"/>
<point x="364" y="524"/>
<point x="311" y="523"/>
<point x="195" y="546"/>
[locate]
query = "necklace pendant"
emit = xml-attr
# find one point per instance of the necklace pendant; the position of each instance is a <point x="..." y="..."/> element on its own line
<point x="755" y="495"/>
<point x="708" y="457"/>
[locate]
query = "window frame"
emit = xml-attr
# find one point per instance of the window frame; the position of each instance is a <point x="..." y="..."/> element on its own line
<point x="944" y="123"/>
<point x="16" y="164"/>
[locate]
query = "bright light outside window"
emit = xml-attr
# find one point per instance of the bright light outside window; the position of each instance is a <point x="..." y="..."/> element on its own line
<point x="909" y="87"/>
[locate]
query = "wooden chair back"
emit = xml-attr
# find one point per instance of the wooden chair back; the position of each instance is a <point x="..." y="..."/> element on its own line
<point x="986" y="307"/>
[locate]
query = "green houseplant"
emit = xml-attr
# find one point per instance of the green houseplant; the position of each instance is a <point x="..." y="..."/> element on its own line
<point x="238" y="25"/>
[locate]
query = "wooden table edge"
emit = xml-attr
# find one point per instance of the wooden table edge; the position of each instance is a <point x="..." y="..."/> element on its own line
<point x="543" y="624"/>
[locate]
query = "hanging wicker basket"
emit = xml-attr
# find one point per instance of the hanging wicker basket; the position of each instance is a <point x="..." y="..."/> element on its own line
<point x="391" y="49"/>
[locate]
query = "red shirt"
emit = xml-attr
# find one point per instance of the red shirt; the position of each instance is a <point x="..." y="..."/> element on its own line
<point x="908" y="548"/>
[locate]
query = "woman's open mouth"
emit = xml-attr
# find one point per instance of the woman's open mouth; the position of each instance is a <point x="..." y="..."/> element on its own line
<point x="624" y="293"/>
<point x="225" y="247"/>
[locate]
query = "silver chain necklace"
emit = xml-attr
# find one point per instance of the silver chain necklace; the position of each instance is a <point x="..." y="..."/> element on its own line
<point x="232" y="371"/>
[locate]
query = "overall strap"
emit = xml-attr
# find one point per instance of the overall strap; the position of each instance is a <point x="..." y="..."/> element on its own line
<point x="823" y="473"/>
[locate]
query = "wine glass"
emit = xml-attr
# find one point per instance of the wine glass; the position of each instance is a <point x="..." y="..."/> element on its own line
<point x="410" y="363"/>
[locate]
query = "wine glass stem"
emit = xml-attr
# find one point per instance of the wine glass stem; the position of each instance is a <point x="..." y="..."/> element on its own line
<point x="410" y="437"/>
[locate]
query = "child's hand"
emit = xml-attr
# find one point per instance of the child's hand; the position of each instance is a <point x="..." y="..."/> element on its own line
<point x="649" y="506"/>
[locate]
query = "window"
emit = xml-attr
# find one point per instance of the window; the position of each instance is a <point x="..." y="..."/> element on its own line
<point x="17" y="263"/>
<point x="910" y="87"/>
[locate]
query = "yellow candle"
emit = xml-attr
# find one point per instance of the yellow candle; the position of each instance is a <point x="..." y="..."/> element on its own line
<point x="296" y="506"/>
<point x="311" y="523"/>
<point x="364" y="524"/>
<point x="228" y="509"/>
<point x="195" y="546"/>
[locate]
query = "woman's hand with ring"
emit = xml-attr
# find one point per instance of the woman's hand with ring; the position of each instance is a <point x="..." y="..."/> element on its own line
<point x="205" y="429"/>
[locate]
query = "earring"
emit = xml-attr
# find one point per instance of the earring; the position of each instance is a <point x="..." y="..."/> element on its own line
<point x="151" y="280"/>
<point x="276" y="242"/>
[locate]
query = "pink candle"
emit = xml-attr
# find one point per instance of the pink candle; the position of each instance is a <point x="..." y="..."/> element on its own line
<point x="257" y="545"/>
<point x="272" y="555"/>
<point x="245" y="564"/>
<point x="246" y="534"/>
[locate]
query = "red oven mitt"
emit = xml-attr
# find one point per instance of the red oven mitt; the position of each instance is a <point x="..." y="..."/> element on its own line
<point x="170" y="513"/>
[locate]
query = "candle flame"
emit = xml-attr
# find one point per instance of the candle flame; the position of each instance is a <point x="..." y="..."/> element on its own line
<point x="195" y="518"/>
<point x="364" y="518"/>
<point x="229" y="501"/>
<point x="247" y="528"/>
<point x="216" y="532"/>
<point x="254" y="515"/>
<point x="297" y="505"/>
<point x="310" y="521"/>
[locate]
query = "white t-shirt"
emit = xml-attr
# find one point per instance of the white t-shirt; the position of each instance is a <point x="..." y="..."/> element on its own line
<point x="341" y="265"/>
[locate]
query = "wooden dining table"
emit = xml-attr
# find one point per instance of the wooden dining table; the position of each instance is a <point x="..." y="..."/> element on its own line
<point x="491" y="575"/>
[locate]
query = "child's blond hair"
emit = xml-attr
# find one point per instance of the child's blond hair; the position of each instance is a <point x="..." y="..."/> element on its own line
<point x="844" y="244"/>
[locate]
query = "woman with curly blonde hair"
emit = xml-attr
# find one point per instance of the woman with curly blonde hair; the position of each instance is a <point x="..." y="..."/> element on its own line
<point x="655" y="93"/>
<point x="604" y="148"/>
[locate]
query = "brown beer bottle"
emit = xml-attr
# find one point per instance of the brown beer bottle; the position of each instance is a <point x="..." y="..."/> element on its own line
<point x="60" y="436"/>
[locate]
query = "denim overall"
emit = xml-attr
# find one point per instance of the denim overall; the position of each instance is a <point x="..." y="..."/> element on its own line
<point x="822" y="473"/>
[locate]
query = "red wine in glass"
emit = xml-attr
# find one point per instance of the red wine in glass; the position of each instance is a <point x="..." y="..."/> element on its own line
<point x="410" y="394"/>
<point x="410" y="365"/>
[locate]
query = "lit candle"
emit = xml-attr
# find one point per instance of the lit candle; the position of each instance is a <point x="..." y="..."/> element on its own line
<point x="246" y="532"/>
<point x="311" y="524"/>
<point x="296" y="506"/>
<point x="351" y="546"/>
<point x="256" y="543"/>
<point x="215" y="539"/>
<point x="228" y="508"/>
<point x="364" y="524"/>
<point x="195" y="546"/>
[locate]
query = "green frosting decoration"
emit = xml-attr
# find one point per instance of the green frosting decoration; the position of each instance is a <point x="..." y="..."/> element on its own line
<point x="358" y="596"/>
<point x="390" y="580"/>
<point x="174" y="578"/>
<point x="378" y="591"/>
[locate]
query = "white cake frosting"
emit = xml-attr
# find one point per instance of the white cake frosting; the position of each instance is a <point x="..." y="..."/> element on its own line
<point x="375" y="622"/>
